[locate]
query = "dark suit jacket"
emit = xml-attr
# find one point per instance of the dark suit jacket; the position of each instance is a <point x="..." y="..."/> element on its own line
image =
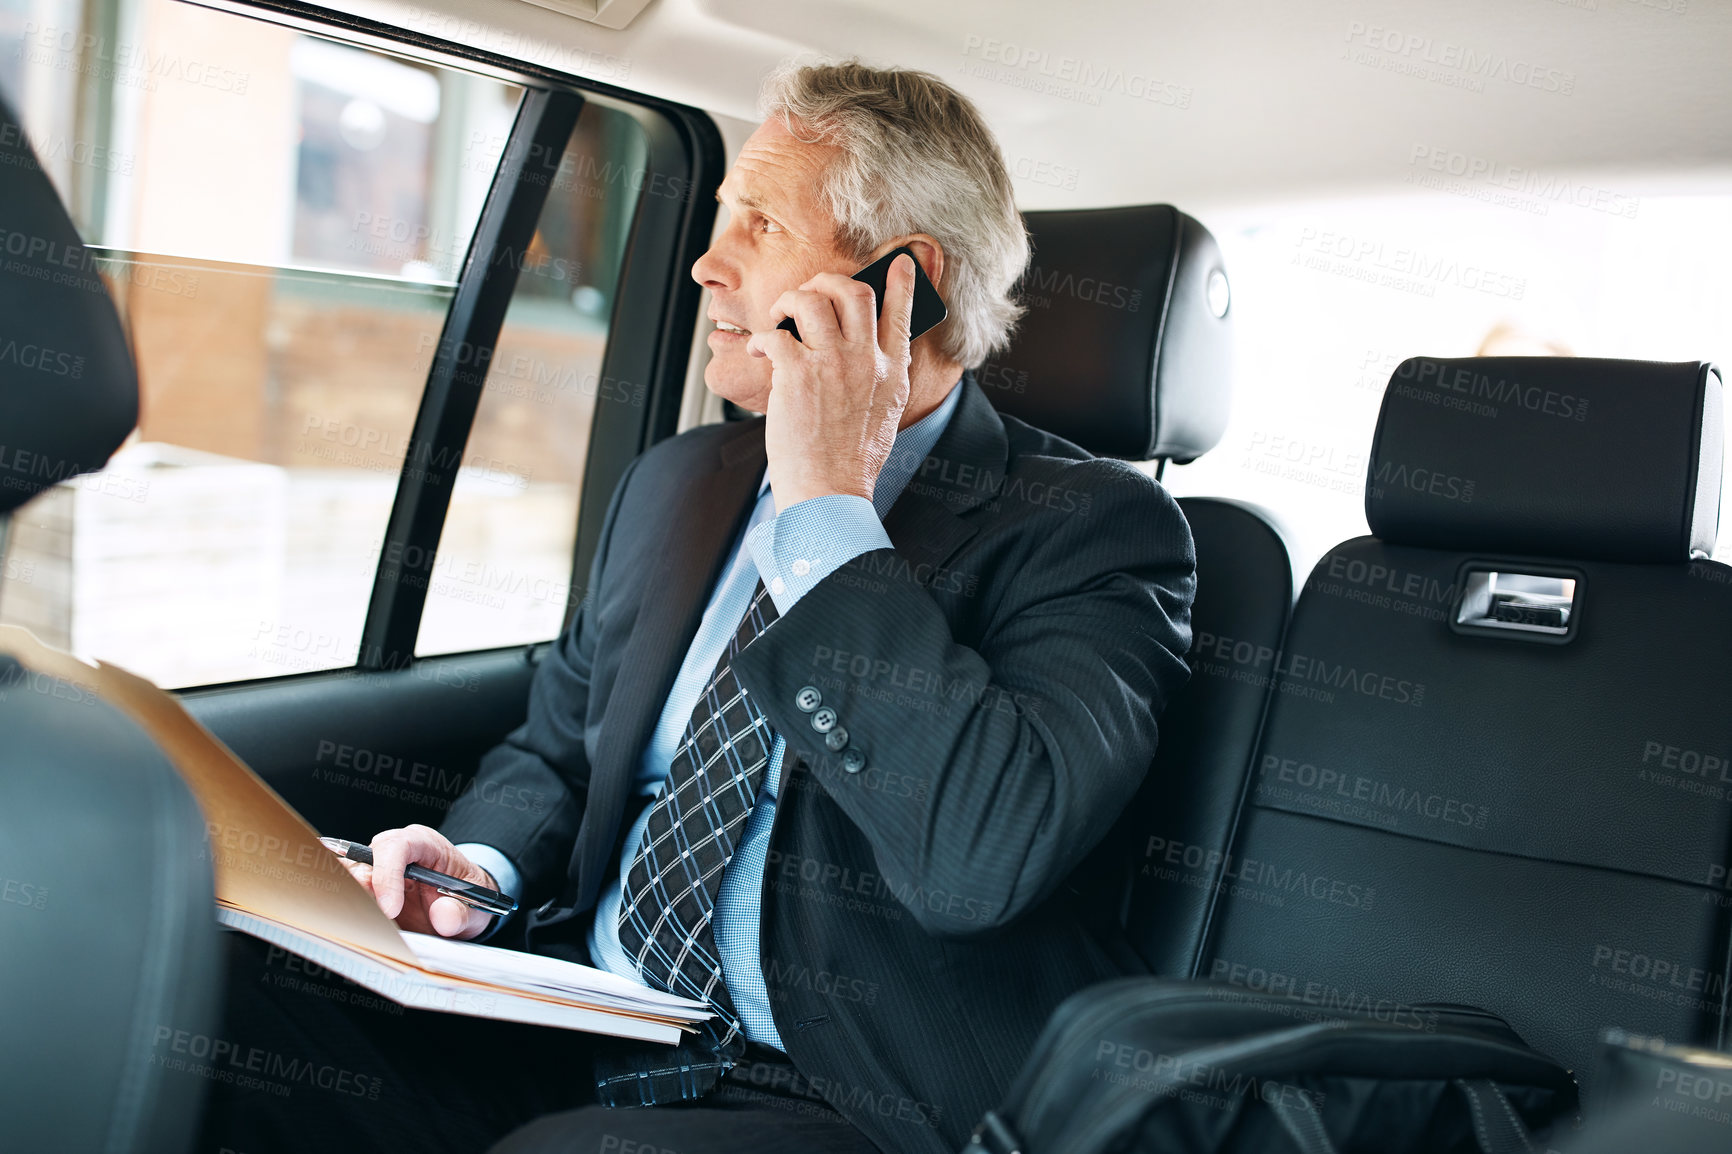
<point x="1001" y="668"/>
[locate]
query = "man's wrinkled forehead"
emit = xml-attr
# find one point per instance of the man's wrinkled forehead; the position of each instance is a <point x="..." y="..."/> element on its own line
<point x="780" y="175"/>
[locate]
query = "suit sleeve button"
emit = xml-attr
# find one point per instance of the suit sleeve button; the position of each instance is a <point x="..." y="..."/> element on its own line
<point x="808" y="698"/>
<point x="824" y="720"/>
<point x="854" y="761"/>
<point x="836" y="739"/>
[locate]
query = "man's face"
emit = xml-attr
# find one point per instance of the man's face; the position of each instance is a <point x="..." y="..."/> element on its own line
<point x="778" y="235"/>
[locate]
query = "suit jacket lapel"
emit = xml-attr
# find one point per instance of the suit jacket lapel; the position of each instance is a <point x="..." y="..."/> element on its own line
<point x="705" y="519"/>
<point x="965" y="468"/>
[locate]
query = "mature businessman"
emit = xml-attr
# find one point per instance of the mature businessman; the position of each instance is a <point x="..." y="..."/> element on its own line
<point x="857" y="687"/>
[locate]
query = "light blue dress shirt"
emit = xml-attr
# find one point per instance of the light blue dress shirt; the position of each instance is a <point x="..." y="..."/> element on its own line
<point x="790" y="552"/>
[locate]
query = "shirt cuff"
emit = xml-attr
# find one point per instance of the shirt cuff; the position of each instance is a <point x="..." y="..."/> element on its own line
<point x="497" y="864"/>
<point x="805" y="543"/>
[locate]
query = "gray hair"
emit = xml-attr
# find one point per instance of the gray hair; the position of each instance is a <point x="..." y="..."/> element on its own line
<point x="916" y="157"/>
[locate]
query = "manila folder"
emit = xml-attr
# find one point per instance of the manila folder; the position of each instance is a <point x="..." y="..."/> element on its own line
<point x="276" y="881"/>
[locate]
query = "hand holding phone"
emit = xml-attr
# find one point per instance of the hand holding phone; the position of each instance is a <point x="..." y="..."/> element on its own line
<point x="834" y="407"/>
<point x="928" y="305"/>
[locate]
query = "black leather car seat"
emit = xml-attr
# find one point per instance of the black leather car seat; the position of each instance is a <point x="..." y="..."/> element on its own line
<point x="107" y="942"/>
<point x="1127" y="350"/>
<point x="1514" y="793"/>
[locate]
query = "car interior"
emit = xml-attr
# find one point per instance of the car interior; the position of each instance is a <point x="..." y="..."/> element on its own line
<point x="326" y="333"/>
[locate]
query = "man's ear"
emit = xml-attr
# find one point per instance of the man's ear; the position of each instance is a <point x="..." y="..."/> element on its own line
<point x="929" y="253"/>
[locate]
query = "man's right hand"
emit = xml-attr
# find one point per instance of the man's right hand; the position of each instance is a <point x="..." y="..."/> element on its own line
<point x="410" y="904"/>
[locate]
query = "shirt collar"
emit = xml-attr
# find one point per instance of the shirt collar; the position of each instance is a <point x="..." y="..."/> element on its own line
<point x="910" y="449"/>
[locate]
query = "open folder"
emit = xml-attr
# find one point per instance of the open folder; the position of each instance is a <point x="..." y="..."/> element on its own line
<point x="276" y="881"/>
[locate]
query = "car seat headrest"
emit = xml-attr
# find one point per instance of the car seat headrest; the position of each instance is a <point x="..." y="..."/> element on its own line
<point x="1126" y="348"/>
<point x="68" y="389"/>
<point x="1567" y="457"/>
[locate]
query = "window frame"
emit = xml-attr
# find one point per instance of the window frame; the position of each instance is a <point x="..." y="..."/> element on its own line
<point x="650" y="332"/>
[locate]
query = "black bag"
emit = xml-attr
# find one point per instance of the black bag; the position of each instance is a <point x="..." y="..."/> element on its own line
<point x="1145" y="1064"/>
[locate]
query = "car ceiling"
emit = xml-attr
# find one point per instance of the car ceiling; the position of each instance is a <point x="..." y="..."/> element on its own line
<point x="1279" y="107"/>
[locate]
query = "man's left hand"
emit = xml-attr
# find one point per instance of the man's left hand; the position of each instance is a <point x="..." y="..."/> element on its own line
<point x="837" y="394"/>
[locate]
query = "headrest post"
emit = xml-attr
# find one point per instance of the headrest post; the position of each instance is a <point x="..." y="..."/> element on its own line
<point x="5" y="541"/>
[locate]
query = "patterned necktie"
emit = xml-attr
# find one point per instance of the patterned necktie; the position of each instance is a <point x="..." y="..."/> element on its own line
<point x="666" y="918"/>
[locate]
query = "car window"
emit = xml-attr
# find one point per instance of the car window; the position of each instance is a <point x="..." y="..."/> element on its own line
<point x="1330" y="297"/>
<point x="502" y="573"/>
<point x="280" y="219"/>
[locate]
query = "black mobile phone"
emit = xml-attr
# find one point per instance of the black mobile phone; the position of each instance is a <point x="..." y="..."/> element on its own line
<point x="928" y="305"/>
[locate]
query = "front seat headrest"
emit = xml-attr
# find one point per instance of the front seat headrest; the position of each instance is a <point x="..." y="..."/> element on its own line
<point x="1127" y="345"/>
<point x="68" y="390"/>
<point x="1592" y="460"/>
